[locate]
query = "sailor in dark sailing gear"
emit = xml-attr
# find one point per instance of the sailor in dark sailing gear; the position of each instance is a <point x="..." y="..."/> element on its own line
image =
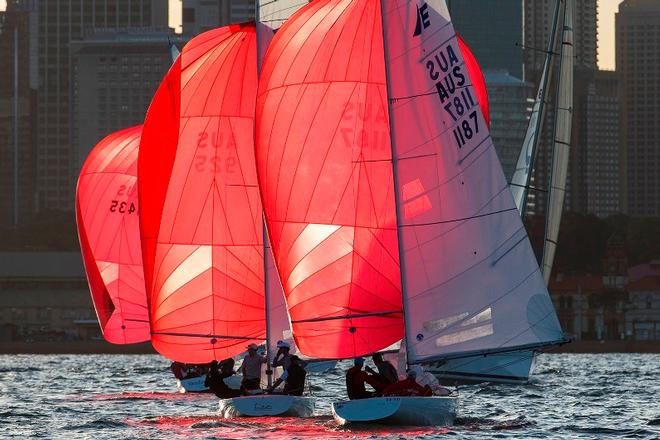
<point x="215" y="379"/>
<point x="251" y="370"/>
<point x="387" y="374"/>
<point x="356" y="380"/>
<point x="408" y="387"/>
<point x="293" y="378"/>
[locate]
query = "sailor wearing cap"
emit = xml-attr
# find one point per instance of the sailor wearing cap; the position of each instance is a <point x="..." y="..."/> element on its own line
<point x="283" y="356"/>
<point x="251" y="369"/>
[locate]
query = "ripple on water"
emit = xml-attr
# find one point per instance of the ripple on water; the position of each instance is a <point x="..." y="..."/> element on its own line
<point x="106" y="396"/>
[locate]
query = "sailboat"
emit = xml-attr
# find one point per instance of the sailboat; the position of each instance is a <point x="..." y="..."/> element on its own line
<point x="201" y="215"/>
<point x="109" y="235"/>
<point x="517" y="365"/>
<point x="353" y="118"/>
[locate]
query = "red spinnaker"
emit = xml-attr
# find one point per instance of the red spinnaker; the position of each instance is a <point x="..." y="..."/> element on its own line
<point x="323" y="158"/>
<point x="476" y="77"/>
<point x="109" y="234"/>
<point x="201" y="213"/>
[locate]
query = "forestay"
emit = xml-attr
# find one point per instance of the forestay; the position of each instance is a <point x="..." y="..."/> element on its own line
<point x="471" y="281"/>
<point x="562" y="143"/>
<point x="200" y="217"/>
<point x="323" y="159"/>
<point x="109" y="234"/>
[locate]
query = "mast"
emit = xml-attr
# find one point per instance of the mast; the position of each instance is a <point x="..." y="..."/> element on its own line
<point x="397" y="201"/>
<point x="269" y="370"/>
<point x="561" y="144"/>
<point x="520" y="180"/>
<point x="15" y="125"/>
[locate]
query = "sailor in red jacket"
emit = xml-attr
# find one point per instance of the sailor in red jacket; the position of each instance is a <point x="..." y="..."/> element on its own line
<point x="408" y="387"/>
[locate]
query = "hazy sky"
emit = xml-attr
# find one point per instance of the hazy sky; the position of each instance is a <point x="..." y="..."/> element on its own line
<point x="606" y="10"/>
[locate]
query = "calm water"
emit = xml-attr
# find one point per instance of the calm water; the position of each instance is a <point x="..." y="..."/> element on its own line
<point x="111" y="396"/>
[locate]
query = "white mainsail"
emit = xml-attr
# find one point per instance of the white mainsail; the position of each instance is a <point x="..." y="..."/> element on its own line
<point x="562" y="143"/>
<point x="520" y="181"/>
<point x="470" y="279"/>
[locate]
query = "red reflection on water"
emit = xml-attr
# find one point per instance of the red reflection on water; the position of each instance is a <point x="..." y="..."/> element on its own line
<point x="276" y="428"/>
<point x="152" y="395"/>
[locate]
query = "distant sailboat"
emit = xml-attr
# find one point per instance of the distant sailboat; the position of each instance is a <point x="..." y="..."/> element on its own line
<point x="107" y="219"/>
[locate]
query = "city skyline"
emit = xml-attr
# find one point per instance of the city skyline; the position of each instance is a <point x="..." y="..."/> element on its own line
<point x="606" y="45"/>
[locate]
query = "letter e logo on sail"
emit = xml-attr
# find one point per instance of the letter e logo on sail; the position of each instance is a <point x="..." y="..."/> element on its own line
<point x="422" y="19"/>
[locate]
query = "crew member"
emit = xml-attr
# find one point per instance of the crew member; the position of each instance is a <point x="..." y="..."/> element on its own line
<point x="251" y="369"/>
<point x="356" y="379"/>
<point x="215" y="379"/>
<point x="408" y="387"/>
<point x="283" y="357"/>
<point x="293" y="377"/>
<point x="387" y="374"/>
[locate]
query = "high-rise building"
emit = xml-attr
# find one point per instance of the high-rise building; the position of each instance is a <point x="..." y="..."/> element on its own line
<point x="18" y="94"/>
<point x="115" y="75"/>
<point x="538" y="25"/>
<point x="602" y="145"/>
<point x="510" y="106"/>
<point x="493" y="30"/>
<point x="60" y="23"/>
<point x="236" y="11"/>
<point x="638" y="67"/>
<point x="202" y="15"/>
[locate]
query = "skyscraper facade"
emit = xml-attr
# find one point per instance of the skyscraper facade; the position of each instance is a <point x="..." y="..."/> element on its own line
<point x="115" y="75"/>
<point x="493" y="30"/>
<point x="638" y="67"/>
<point x="60" y="23"/>
<point x="538" y="25"/>
<point x="18" y="94"/>
<point x="601" y="163"/>
<point x="202" y="15"/>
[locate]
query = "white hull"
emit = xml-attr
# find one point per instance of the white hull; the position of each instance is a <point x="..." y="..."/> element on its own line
<point x="196" y="384"/>
<point x="413" y="411"/>
<point x="267" y="405"/>
<point x="192" y="385"/>
<point x="513" y="367"/>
